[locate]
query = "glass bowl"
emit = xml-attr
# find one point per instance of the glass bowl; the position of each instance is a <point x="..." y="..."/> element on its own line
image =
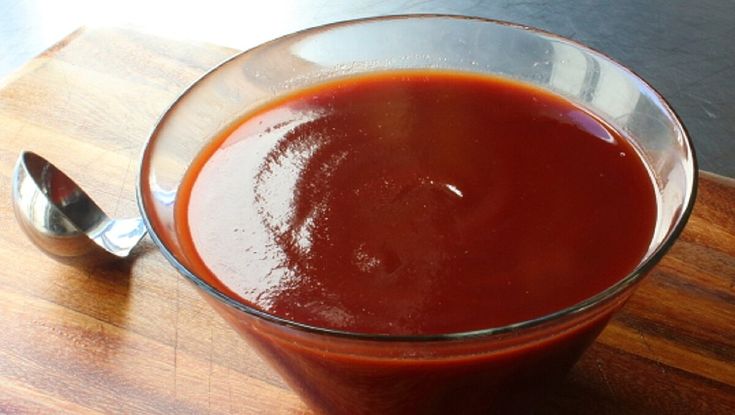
<point x="496" y="368"/>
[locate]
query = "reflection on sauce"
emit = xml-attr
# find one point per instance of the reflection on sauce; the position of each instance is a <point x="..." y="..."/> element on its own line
<point x="416" y="203"/>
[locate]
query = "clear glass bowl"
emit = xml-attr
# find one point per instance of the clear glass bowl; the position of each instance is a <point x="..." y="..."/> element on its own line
<point x="498" y="368"/>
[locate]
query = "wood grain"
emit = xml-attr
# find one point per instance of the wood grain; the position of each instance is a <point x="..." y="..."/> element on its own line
<point x="135" y="338"/>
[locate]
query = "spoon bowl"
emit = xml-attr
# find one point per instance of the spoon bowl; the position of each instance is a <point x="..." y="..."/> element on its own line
<point x="62" y="220"/>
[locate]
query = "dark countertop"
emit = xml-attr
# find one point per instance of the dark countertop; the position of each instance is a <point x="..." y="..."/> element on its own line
<point x="685" y="49"/>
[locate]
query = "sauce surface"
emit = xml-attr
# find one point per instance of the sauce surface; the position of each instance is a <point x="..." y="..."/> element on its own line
<point x="416" y="203"/>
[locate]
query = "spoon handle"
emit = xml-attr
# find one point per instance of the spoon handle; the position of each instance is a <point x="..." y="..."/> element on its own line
<point x="119" y="236"/>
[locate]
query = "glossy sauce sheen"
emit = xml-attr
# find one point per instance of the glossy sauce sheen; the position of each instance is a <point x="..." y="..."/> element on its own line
<point x="416" y="203"/>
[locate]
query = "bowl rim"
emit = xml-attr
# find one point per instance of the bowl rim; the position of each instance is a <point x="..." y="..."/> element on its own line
<point x="574" y="310"/>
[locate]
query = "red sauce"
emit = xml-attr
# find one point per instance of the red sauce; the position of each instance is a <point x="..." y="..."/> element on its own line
<point x="417" y="203"/>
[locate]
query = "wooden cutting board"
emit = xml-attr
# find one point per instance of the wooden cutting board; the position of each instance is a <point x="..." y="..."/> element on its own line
<point x="136" y="338"/>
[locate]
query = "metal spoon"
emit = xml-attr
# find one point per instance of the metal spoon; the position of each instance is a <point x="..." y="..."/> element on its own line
<point x="62" y="220"/>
